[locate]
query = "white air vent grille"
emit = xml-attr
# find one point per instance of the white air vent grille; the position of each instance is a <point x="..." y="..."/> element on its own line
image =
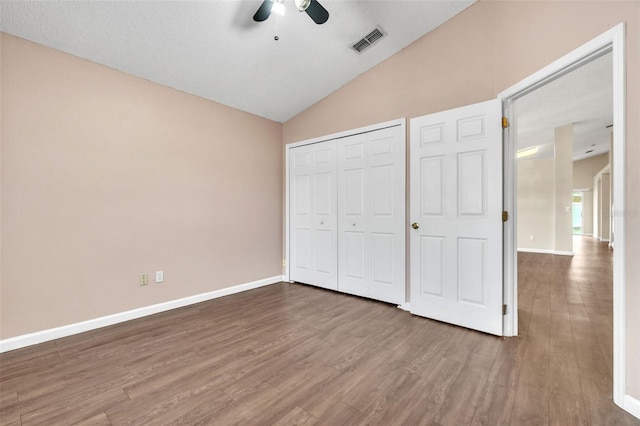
<point x="368" y="40"/>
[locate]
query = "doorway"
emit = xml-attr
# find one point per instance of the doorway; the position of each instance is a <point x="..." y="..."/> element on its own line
<point x="612" y="41"/>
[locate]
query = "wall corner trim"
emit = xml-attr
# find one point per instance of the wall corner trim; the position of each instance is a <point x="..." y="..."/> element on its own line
<point x="24" y="340"/>
<point x="632" y="405"/>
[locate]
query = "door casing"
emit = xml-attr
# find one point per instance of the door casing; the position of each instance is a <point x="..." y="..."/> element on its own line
<point x="611" y="41"/>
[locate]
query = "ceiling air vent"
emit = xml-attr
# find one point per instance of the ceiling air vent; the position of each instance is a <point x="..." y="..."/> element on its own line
<point x="368" y="40"/>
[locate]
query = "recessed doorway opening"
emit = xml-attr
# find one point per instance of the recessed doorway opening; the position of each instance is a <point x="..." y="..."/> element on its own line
<point x="613" y="42"/>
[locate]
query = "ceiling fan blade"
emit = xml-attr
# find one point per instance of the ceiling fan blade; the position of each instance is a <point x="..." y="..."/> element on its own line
<point x="263" y="11"/>
<point x="316" y="12"/>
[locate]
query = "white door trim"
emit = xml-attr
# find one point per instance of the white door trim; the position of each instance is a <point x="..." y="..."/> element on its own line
<point x="611" y="41"/>
<point x="392" y="123"/>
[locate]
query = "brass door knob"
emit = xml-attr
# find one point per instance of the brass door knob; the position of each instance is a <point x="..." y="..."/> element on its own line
<point x="415" y="225"/>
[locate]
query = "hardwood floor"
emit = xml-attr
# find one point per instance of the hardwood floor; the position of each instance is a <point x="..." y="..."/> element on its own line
<point x="294" y="354"/>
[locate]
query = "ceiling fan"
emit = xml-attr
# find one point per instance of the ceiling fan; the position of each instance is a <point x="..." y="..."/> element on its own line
<point x="314" y="9"/>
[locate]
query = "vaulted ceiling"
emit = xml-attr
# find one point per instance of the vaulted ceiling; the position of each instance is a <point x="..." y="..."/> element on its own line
<point x="215" y="50"/>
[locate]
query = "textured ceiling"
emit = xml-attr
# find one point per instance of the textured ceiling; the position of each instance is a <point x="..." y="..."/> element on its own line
<point x="215" y="50"/>
<point x="583" y="97"/>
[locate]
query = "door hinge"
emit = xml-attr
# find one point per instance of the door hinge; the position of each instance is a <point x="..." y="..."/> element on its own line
<point x="505" y="215"/>
<point x="505" y="122"/>
<point x="504" y="309"/>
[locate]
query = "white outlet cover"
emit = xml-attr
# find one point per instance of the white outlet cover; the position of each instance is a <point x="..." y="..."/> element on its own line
<point x="159" y="276"/>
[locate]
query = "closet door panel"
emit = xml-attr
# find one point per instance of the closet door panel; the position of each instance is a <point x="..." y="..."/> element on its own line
<point x="383" y="256"/>
<point x="313" y="225"/>
<point x="302" y="261"/>
<point x="353" y="196"/>
<point x="301" y="214"/>
<point x="371" y="215"/>
<point x="387" y="214"/>
<point x="354" y="265"/>
<point x="353" y="261"/>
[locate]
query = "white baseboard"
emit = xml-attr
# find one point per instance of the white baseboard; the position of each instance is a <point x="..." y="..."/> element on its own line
<point x="80" y="327"/>
<point x="533" y="250"/>
<point x="604" y="240"/>
<point x="632" y="405"/>
<point x="545" y="251"/>
<point x="563" y="253"/>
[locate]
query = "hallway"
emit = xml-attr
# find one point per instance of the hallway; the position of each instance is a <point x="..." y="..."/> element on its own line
<point x="565" y="308"/>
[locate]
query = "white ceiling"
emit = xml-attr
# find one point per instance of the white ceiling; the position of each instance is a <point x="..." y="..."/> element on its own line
<point x="583" y="97"/>
<point x="215" y="50"/>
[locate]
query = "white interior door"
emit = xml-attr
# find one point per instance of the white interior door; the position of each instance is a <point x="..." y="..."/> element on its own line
<point x="313" y="215"/>
<point x="456" y="206"/>
<point x="371" y="214"/>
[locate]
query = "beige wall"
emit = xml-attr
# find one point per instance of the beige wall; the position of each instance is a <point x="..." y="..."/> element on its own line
<point x="585" y="170"/>
<point x="587" y="212"/>
<point x="563" y="166"/>
<point x="536" y="207"/>
<point x="535" y="200"/>
<point x="583" y="173"/>
<point x="106" y="176"/>
<point x="486" y="49"/>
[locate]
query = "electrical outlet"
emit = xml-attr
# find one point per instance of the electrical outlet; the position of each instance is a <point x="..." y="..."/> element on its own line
<point x="284" y="263"/>
<point x="159" y="276"/>
<point x="531" y="238"/>
<point x="144" y="279"/>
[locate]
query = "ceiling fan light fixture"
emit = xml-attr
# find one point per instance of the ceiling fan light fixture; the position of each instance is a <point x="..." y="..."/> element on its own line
<point x="302" y="5"/>
<point x="278" y="7"/>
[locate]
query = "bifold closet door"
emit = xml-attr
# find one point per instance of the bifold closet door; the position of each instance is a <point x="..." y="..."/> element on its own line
<point x="313" y="213"/>
<point x="371" y="214"/>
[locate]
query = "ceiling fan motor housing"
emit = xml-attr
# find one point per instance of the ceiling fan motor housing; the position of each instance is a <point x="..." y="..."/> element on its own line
<point x="302" y="5"/>
<point x="313" y="8"/>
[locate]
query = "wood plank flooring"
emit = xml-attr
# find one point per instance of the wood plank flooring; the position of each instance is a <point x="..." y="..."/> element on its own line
<point x="293" y="354"/>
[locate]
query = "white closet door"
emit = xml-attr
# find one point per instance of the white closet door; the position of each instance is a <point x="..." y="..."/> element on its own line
<point x="313" y="215"/>
<point x="353" y="236"/>
<point x="371" y="214"/>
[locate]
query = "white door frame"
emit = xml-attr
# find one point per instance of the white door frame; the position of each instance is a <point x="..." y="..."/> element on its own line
<point x="611" y="41"/>
<point x="398" y="122"/>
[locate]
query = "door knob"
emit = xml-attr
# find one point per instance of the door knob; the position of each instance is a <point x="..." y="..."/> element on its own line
<point x="415" y="225"/>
